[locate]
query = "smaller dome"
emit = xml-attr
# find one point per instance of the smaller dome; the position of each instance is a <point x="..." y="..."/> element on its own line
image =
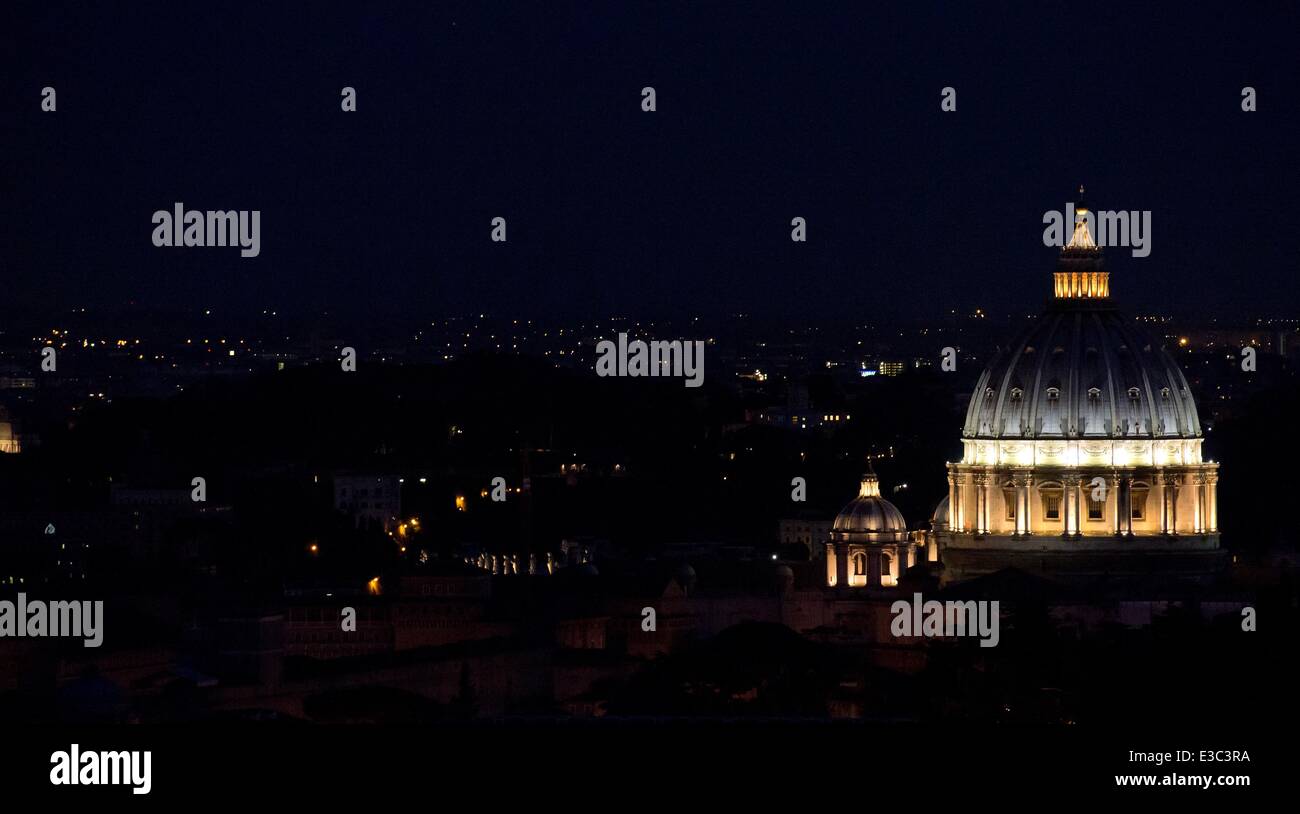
<point x="783" y="576"/>
<point x="940" y="517"/>
<point x="869" y="518"/>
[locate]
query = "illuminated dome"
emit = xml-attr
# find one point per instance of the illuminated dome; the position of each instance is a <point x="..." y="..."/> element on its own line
<point x="1082" y="371"/>
<point x="1082" y="449"/>
<point x="940" y="516"/>
<point x="869" y="518"/>
<point x="869" y="545"/>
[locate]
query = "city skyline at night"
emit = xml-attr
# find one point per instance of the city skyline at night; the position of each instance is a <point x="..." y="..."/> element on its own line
<point x="422" y="400"/>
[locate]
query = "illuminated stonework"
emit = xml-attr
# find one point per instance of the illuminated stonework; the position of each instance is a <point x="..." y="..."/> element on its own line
<point x="1081" y="449"/>
<point x="1081" y="452"/>
<point x="9" y="441"/>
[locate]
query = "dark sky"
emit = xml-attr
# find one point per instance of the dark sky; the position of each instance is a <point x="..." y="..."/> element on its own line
<point x="531" y="111"/>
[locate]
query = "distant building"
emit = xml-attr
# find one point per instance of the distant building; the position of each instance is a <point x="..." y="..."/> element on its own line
<point x="9" y="439"/>
<point x="373" y="501"/>
<point x="809" y="531"/>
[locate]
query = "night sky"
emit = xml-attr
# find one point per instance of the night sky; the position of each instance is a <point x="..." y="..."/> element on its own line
<point x="532" y="111"/>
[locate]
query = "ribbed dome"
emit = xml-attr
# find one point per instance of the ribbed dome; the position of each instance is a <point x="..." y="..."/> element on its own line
<point x="869" y="518"/>
<point x="1082" y="370"/>
<point x="940" y="517"/>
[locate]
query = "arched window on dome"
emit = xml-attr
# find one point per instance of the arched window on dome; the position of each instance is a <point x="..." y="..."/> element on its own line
<point x="859" y="564"/>
<point x="1134" y="394"/>
<point x="1017" y="394"/>
<point x="1053" y="394"/>
<point x="886" y="565"/>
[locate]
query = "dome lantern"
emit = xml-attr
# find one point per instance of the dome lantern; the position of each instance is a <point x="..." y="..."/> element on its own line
<point x="870" y="485"/>
<point x="1080" y="272"/>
